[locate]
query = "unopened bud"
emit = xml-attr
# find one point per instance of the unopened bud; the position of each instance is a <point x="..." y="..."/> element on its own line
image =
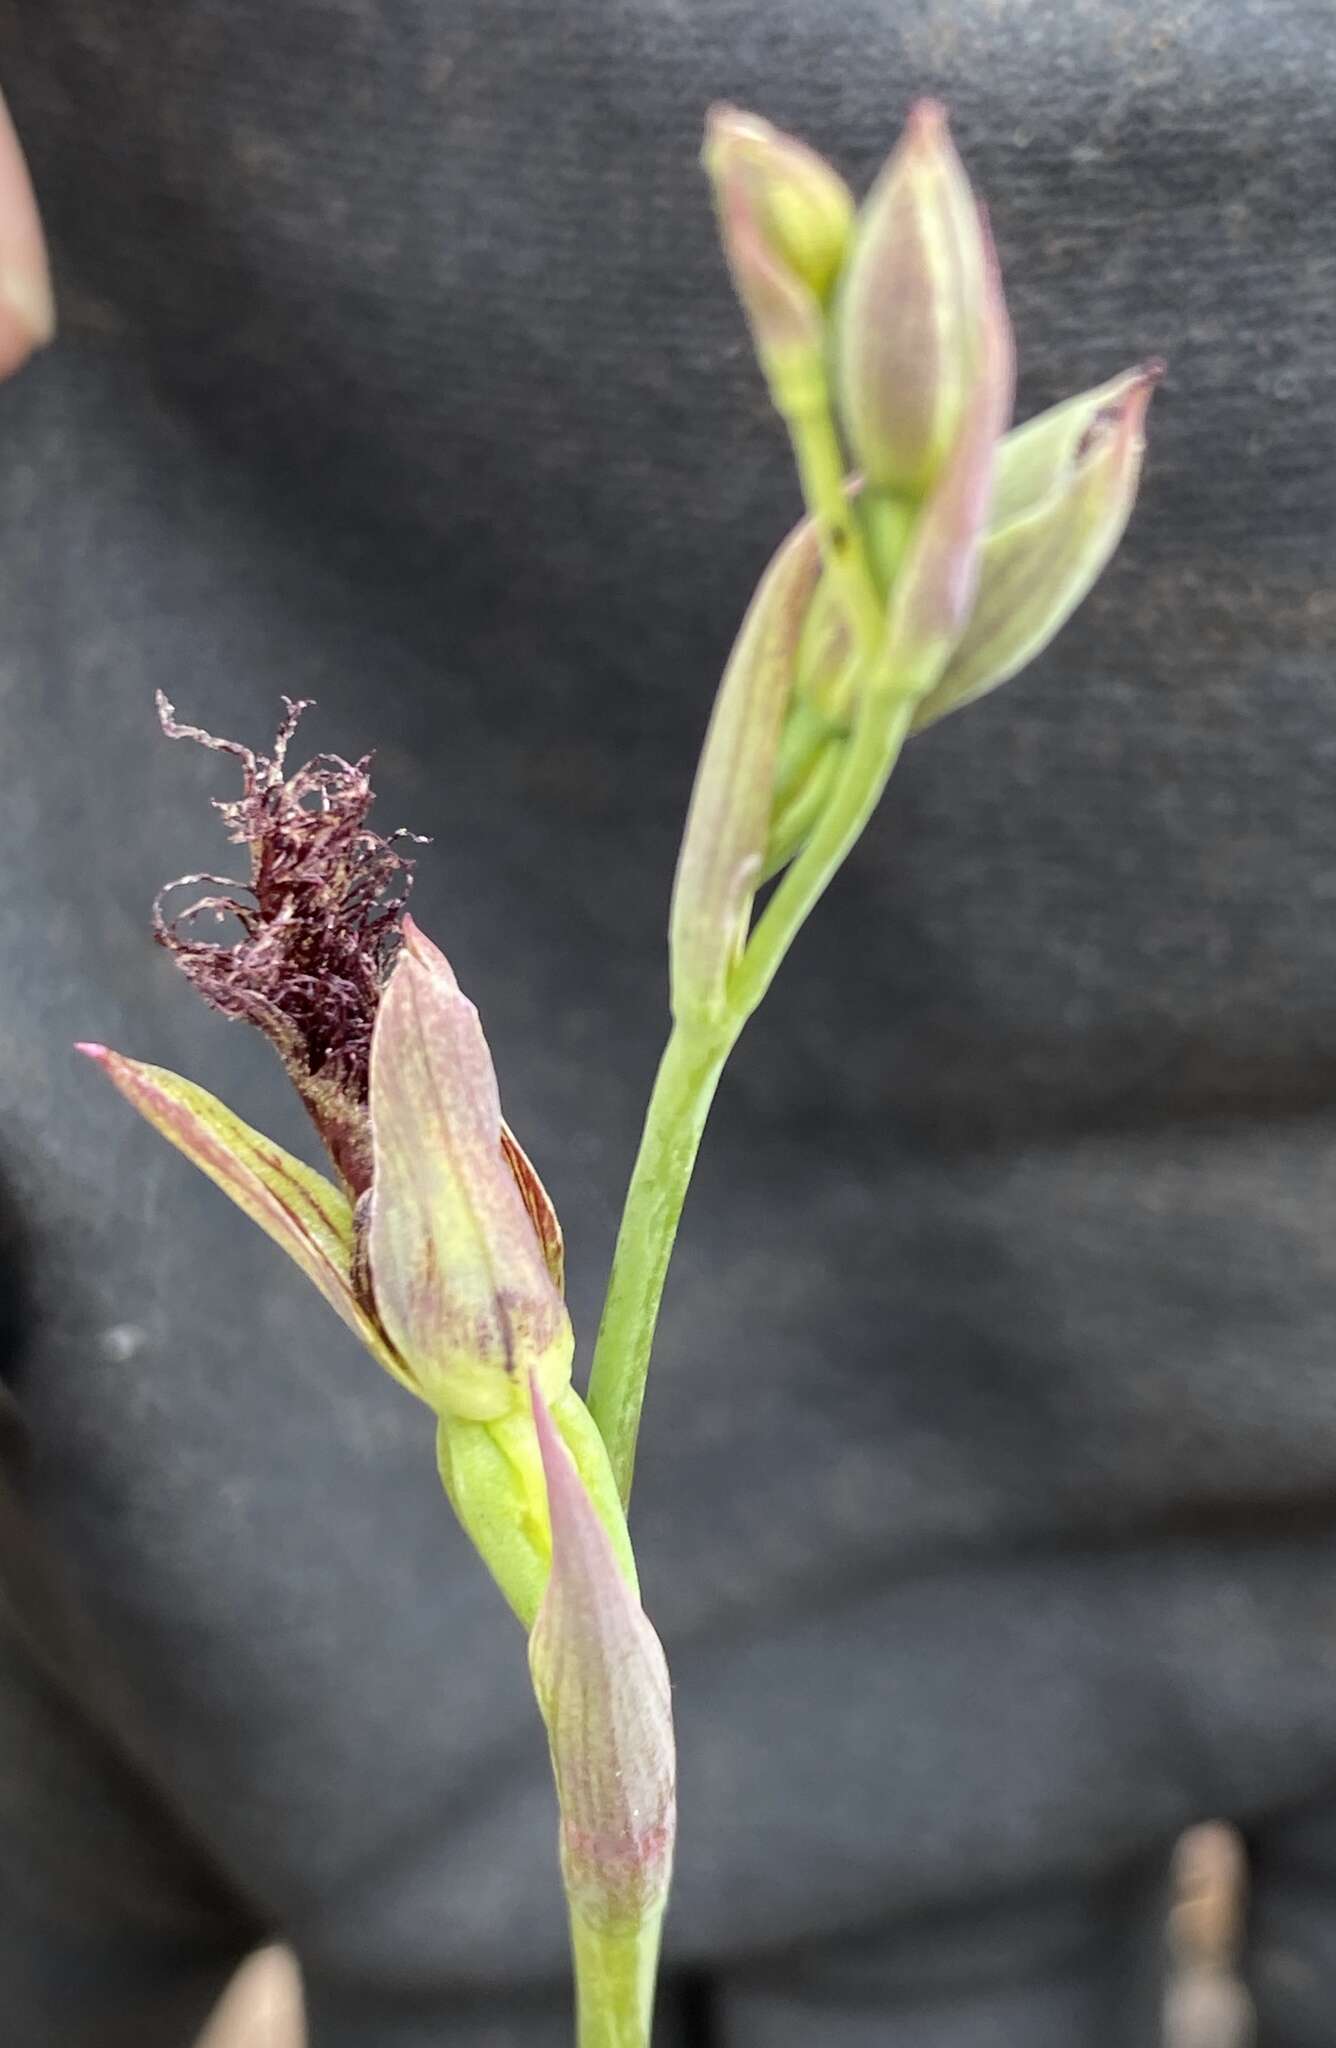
<point x="602" y="1686"/>
<point x="910" y="311"/>
<point x="784" y="217"/>
<point x="1065" y="487"/>
<point x="728" y="823"/>
<point x="460" y="1280"/>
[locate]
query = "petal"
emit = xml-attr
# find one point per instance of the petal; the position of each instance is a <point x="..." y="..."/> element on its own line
<point x="297" y="1207"/>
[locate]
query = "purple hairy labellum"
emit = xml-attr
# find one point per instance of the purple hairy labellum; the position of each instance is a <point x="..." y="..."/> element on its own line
<point x="320" y="920"/>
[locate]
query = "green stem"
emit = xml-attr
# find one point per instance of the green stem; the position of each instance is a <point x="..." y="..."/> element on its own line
<point x="614" y="1982"/>
<point x="820" y="461"/>
<point x="683" y="1091"/>
<point x="692" y="1062"/>
<point x="883" y="723"/>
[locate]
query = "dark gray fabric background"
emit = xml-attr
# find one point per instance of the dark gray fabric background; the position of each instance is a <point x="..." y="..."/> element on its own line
<point x="988" y="1500"/>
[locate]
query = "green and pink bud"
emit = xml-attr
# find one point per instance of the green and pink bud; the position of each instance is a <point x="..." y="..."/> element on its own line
<point x="785" y="218"/>
<point x="602" y="1686"/>
<point x="1063" y="492"/>
<point x="912" y="312"/>
<point x="729" y="820"/>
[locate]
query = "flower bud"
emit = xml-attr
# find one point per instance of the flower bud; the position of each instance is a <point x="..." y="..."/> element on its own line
<point x="728" y="823"/>
<point x="785" y="219"/>
<point x="602" y="1687"/>
<point x="460" y="1281"/>
<point x="1065" y="487"/>
<point x="911" y="308"/>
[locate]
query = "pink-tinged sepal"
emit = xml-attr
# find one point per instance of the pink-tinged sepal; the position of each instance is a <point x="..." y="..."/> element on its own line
<point x="298" y="1208"/>
<point x="602" y="1687"/>
<point x="460" y="1279"/>
<point x="1066" y="484"/>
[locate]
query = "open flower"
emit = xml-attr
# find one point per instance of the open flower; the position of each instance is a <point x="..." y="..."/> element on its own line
<point x="439" y="1247"/>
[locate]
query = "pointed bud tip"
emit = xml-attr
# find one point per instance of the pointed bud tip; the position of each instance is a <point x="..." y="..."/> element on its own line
<point x="1137" y="404"/>
<point x="92" y="1050"/>
<point x="542" y="1422"/>
<point x="424" y="953"/>
<point x="1148" y="374"/>
<point x="731" y="133"/>
<point x="558" y="1469"/>
<point x="927" y="122"/>
<point x="1141" y="383"/>
<point x="723" y="122"/>
<point x="1125" y="413"/>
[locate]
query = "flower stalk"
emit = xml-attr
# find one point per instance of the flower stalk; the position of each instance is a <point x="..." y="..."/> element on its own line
<point x="946" y="566"/>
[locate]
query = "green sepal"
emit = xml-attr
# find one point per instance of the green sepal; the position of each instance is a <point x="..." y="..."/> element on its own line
<point x="496" y="1510"/>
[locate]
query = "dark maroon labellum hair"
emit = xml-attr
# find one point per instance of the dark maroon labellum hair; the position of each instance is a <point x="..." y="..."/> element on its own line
<point x="320" y="926"/>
